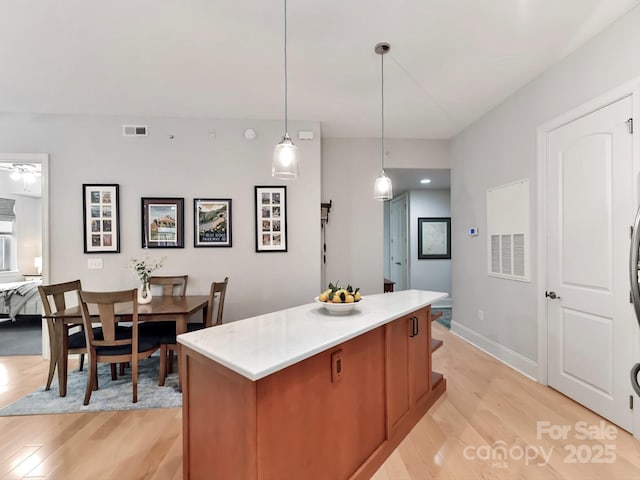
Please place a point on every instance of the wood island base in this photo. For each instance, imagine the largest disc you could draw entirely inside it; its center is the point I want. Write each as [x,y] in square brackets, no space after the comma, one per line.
[335,415]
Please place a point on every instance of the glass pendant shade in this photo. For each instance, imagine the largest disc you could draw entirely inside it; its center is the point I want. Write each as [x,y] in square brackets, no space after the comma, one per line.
[285,162]
[382,189]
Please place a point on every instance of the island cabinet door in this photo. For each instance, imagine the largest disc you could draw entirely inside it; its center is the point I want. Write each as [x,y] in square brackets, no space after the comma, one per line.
[421,356]
[312,424]
[408,366]
[398,335]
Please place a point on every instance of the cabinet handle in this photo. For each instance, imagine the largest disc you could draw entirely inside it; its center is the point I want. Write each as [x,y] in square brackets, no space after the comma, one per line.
[417,326]
[414,327]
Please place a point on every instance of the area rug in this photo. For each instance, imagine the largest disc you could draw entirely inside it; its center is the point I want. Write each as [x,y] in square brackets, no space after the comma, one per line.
[112,395]
[445,319]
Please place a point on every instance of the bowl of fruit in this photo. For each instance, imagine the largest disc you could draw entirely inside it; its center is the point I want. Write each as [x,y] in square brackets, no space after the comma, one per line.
[339,301]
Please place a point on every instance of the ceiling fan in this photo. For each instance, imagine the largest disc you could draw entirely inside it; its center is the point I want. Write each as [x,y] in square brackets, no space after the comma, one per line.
[27,172]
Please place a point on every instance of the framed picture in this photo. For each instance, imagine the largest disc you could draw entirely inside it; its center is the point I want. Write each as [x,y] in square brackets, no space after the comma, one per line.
[100,210]
[162,222]
[271,219]
[434,238]
[212,222]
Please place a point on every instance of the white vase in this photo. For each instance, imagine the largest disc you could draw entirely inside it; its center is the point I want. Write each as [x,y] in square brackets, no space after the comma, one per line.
[144,293]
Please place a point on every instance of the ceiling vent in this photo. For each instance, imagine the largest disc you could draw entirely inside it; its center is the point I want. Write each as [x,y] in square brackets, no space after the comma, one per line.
[134,130]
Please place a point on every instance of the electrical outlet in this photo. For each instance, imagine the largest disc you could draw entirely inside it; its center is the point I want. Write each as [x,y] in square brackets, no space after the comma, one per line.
[94,264]
[336,366]
[480,315]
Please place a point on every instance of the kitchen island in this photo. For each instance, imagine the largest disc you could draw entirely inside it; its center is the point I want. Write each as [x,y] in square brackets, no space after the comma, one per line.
[301,393]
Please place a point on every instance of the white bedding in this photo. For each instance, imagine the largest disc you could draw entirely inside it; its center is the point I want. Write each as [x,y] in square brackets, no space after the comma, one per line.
[20,298]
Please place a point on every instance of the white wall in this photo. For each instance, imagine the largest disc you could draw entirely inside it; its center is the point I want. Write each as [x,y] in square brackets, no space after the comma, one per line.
[194,164]
[434,274]
[501,148]
[355,232]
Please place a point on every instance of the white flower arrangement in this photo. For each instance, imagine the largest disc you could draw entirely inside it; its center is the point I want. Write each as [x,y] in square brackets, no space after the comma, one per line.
[144,267]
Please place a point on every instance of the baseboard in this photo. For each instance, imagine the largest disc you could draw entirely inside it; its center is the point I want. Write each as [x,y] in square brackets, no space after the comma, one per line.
[515,360]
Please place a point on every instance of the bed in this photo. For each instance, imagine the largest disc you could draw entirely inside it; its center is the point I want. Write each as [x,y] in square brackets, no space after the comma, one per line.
[19,298]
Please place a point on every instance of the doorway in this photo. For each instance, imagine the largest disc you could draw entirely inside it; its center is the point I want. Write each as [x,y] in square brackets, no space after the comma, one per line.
[24,188]
[588,160]
[431,198]
[398,248]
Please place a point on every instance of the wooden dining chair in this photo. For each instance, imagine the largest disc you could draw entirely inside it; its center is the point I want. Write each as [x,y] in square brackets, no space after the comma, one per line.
[175,285]
[116,345]
[171,285]
[169,341]
[54,300]
[218,290]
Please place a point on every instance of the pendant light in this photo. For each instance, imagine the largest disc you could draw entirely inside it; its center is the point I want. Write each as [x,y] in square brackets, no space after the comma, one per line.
[382,189]
[285,163]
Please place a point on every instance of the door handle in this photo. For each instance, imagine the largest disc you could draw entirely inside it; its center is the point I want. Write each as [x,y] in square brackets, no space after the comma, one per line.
[551,295]
[633,265]
[634,378]
[398,263]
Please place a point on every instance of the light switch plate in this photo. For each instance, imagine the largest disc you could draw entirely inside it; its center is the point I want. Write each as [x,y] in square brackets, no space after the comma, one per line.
[94,263]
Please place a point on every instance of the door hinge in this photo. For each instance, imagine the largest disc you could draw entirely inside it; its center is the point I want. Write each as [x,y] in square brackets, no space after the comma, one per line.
[630,125]
[631,231]
[630,297]
[630,402]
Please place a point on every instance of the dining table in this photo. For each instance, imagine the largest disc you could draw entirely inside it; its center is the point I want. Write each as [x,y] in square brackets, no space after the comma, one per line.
[161,308]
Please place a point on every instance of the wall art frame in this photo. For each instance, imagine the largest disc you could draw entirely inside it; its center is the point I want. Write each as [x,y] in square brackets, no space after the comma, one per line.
[434,238]
[101,217]
[271,218]
[162,222]
[212,226]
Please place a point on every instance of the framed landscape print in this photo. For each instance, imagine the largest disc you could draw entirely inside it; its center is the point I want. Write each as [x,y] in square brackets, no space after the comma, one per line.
[434,238]
[101,218]
[212,222]
[271,219]
[162,222]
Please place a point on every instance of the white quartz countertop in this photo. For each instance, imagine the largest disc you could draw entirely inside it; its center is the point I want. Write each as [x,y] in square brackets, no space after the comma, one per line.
[259,346]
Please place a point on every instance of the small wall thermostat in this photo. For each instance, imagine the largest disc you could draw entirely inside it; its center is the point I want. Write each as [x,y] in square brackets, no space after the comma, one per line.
[473,231]
[250,134]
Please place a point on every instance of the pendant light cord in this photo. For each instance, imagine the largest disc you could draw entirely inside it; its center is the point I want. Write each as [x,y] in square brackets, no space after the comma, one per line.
[286,119]
[382,88]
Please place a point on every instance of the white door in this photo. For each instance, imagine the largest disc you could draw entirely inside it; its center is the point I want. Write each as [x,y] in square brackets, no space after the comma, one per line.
[589,211]
[398,247]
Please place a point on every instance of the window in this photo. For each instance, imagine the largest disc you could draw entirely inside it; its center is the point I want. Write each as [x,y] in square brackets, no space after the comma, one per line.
[7,235]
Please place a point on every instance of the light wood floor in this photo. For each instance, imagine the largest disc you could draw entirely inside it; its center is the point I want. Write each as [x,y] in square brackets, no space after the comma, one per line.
[486,403]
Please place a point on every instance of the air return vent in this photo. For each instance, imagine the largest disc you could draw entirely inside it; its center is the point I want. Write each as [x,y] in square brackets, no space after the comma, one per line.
[508,231]
[134,130]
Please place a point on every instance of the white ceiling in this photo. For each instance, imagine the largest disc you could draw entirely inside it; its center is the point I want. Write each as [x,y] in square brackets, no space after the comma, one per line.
[405,179]
[450,62]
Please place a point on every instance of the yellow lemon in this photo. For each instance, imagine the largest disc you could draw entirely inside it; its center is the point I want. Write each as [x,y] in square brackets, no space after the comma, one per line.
[357,297]
[349,299]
